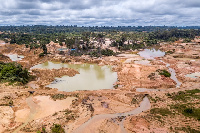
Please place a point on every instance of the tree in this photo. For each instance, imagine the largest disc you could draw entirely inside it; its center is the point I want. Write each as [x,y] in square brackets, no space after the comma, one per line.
[44,48]
[43,45]
[13,72]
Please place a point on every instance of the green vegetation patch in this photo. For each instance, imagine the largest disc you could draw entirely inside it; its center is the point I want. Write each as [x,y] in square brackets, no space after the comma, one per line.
[185,95]
[98,53]
[164,72]
[187,129]
[107,52]
[13,72]
[187,110]
[192,112]
[58,96]
[70,115]
[43,130]
[161,111]
[155,99]
[56,128]
[169,52]
[6,101]
[134,101]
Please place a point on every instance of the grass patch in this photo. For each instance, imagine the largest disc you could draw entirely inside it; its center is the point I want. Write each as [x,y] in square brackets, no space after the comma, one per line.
[192,112]
[187,129]
[193,91]
[58,96]
[161,111]
[187,110]
[185,95]
[155,99]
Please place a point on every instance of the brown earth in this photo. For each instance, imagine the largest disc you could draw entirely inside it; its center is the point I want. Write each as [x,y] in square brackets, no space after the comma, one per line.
[89,103]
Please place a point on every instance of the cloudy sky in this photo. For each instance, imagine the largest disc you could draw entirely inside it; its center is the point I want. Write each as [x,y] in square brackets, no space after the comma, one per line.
[100,12]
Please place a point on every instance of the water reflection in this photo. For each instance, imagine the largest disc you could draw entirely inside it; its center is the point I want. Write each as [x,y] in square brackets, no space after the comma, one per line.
[15,57]
[91,77]
[193,75]
[151,53]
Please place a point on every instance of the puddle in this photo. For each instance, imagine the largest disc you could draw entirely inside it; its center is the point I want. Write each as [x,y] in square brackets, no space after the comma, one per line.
[143,62]
[2,42]
[15,57]
[151,53]
[193,75]
[91,77]
[84,128]
[62,49]
[150,90]
[146,90]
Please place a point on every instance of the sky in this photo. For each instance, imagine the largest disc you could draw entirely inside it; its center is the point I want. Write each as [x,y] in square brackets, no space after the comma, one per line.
[100,12]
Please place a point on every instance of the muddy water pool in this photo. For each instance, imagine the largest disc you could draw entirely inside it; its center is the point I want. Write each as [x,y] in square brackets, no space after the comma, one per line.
[193,75]
[91,77]
[15,57]
[151,53]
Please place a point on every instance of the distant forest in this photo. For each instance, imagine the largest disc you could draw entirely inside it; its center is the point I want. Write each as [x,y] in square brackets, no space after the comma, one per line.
[43,29]
[123,38]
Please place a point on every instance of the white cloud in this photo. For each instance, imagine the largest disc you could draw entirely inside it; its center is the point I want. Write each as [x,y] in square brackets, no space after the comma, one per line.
[100,12]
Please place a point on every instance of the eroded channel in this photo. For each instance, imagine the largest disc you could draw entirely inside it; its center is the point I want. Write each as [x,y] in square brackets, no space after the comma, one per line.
[151,54]
[86,127]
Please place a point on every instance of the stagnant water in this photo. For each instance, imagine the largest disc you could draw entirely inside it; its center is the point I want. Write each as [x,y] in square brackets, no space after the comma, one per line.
[15,57]
[151,53]
[173,74]
[144,105]
[193,75]
[91,77]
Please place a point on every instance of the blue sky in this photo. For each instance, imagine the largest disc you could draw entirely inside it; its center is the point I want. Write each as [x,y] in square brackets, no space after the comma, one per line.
[100,12]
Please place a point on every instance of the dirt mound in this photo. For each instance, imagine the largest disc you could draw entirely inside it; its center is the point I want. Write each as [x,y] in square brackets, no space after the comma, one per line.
[4,58]
[46,76]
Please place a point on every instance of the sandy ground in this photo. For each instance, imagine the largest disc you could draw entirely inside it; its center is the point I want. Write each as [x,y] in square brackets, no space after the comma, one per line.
[40,107]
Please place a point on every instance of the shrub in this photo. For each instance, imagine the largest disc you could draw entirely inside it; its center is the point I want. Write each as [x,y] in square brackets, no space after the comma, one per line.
[41,54]
[107,52]
[161,111]
[185,95]
[134,101]
[57,128]
[164,72]
[187,110]
[94,54]
[192,112]
[58,96]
